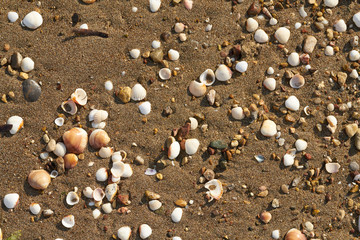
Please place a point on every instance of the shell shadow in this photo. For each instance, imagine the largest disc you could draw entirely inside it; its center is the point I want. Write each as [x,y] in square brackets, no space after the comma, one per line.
[29,190]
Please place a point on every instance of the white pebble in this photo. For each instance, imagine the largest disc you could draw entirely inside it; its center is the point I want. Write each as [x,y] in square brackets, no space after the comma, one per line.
[108,85]
[134,9]
[288,160]
[282,34]
[331,3]
[270,84]
[135,53]
[241,66]
[294,59]
[340,25]
[261,36]
[32,20]
[27,64]
[330,107]
[300,145]
[354,74]
[268,128]
[273,21]
[275,234]
[96,213]
[297,25]
[176,215]
[173,55]
[270,71]
[179,27]
[154,5]
[155,44]
[251,25]
[13,16]
[308,67]
[292,103]
[354,55]
[84,26]
[208,28]
[329,51]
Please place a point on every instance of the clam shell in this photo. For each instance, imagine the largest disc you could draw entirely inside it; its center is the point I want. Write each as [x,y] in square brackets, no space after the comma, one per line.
[223,73]
[282,34]
[237,113]
[288,160]
[173,55]
[145,108]
[60,149]
[107,208]
[92,114]
[297,81]
[241,66]
[134,53]
[176,215]
[154,5]
[68,221]
[268,128]
[294,234]
[215,189]
[59,121]
[96,213]
[35,208]
[118,156]
[270,84]
[154,205]
[207,77]
[72,198]
[70,160]
[11,200]
[32,20]
[88,192]
[300,145]
[165,73]
[128,172]
[292,103]
[106,152]
[138,92]
[16,122]
[115,179]
[265,217]
[110,191]
[98,194]
[261,36]
[101,175]
[98,138]
[179,27]
[79,96]
[75,140]
[174,150]
[118,169]
[191,146]
[332,167]
[12,16]
[251,25]
[69,107]
[99,116]
[39,179]
[193,123]
[197,89]
[27,64]
[124,233]
[145,231]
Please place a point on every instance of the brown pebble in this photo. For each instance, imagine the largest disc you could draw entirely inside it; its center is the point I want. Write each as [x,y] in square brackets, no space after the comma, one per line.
[180,202]
[6,47]
[285,189]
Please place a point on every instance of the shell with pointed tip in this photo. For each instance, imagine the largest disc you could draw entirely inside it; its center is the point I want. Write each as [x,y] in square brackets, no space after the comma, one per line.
[98,139]
[145,108]
[297,81]
[154,5]
[124,233]
[197,89]
[117,169]
[237,113]
[88,192]
[99,116]
[145,231]
[69,107]
[98,194]
[16,122]
[11,200]
[138,92]
[128,172]
[191,146]
[268,128]
[39,179]
[106,152]
[35,208]
[101,175]
[79,96]
[174,150]
[223,73]
[70,160]
[75,140]
[176,215]
[165,73]
[154,205]
[294,234]
[60,149]
[110,191]
[68,221]
[270,84]
[72,198]
[207,77]
[215,189]
[32,20]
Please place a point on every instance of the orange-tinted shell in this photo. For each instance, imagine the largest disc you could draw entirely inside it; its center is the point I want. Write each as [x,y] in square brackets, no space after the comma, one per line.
[294,234]
[98,139]
[70,160]
[75,140]
[39,179]
[265,217]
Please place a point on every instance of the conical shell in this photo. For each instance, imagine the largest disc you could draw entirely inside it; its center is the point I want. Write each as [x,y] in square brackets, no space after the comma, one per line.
[138,92]
[16,122]
[145,231]
[124,233]
[79,96]
[215,189]
[70,160]
[39,179]
[32,20]
[69,107]
[197,89]
[98,138]
[110,191]
[101,175]
[75,140]
[68,221]
[223,73]
[191,146]
[72,198]
[11,200]
[207,77]
[297,81]
[174,150]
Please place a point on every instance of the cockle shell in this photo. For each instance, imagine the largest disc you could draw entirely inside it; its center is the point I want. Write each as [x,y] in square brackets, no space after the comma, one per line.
[237,113]
[98,194]
[223,73]
[165,73]
[193,123]
[68,221]
[191,146]
[118,156]
[99,138]
[98,116]
[79,96]
[32,20]
[270,84]
[11,200]
[27,64]
[39,179]
[268,128]
[35,208]
[145,108]
[70,160]
[215,189]
[138,92]
[72,198]
[75,140]
[297,81]
[69,107]
[16,122]
[101,175]
[197,89]
[106,152]
[265,217]
[154,205]
[110,191]
[124,233]
[176,215]
[251,25]
[145,231]
[59,121]
[60,149]
[174,150]
[241,66]
[207,77]
[294,234]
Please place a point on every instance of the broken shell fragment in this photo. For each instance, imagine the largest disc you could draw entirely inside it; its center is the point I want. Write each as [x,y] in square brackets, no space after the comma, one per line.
[16,122]
[110,191]
[174,150]
[237,113]
[193,123]
[191,146]
[207,77]
[106,152]
[154,205]
[98,194]
[69,107]
[145,108]
[138,92]
[79,96]
[223,73]
[96,213]
[101,175]
[72,198]
[11,200]
[268,128]
[145,231]
[39,179]
[59,121]
[176,215]
[124,233]
[294,234]
[165,73]
[118,156]
[75,140]
[215,189]
[99,138]
[332,123]
[35,208]
[68,221]
[70,160]
[197,89]
[127,171]
[332,167]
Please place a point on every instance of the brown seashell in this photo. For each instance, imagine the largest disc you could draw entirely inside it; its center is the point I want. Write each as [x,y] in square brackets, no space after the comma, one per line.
[70,160]
[294,234]
[265,217]
[98,139]
[75,140]
[39,179]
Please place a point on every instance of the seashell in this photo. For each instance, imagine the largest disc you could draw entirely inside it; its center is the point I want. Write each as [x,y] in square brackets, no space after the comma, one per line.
[84,26]
[215,189]
[288,159]
[176,215]
[268,128]
[331,120]
[275,234]
[92,114]
[106,152]
[44,155]
[332,167]
[79,96]
[98,138]
[354,55]
[154,205]
[294,59]
[124,94]
[174,150]
[173,55]
[354,74]
[16,122]
[340,25]
[39,179]
[35,208]
[191,146]
[150,172]
[124,233]
[165,73]
[265,217]
[270,71]
[261,36]
[145,108]
[134,53]
[72,198]
[68,221]
[69,107]
[96,213]
[294,234]
[241,66]
[155,44]
[110,191]
[282,34]
[117,169]
[101,175]
[179,27]
[297,81]
[107,208]
[59,121]
[300,145]
[99,116]
[98,194]
[237,113]
[188,4]
[251,25]
[207,77]
[356,19]
[223,73]
[118,156]
[27,64]
[88,192]
[32,20]
[108,85]
[259,158]
[138,92]
[270,84]
[115,179]
[70,160]
[54,174]
[145,231]
[292,103]
[154,5]
[331,3]
[100,125]
[197,89]
[193,123]
[128,172]
[176,238]
[273,21]
[75,140]
[11,200]
[12,16]
[329,51]
[88,1]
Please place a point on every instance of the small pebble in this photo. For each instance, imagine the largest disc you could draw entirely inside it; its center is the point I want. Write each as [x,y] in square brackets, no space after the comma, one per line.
[354,166]
[31,90]
[108,85]
[329,51]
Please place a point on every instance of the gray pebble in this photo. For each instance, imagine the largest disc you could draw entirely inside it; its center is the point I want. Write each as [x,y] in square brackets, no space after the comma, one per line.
[16,59]
[31,90]
[354,166]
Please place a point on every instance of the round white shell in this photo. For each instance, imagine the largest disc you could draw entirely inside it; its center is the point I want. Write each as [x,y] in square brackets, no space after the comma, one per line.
[116,157]
[270,84]
[135,53]
[197,89]
[145,108]
[88,192]
[124,233]
[300,145]
[32,20]
[118,169]
[215,189]
[223,73]
[108,85]
[60,149]
[35,208]
[105,152]
[268,128]
[138,92]
[79,96]
[11,200]
[68,221]
[72,198]
[207,77]
[282,34]
[59,121]
[340,25]
[237,113]
[98,194]
[96,213]
[251,25]
[99,116]
[176,215]
[241,66]
[100,125]
[92,114]
[297,81]
[145,231]
[292,103]
[107,208]
[332,167]
[165,73]
[17,123]
[154,205]
[354,55]
[69,104]
[193,123]
[356,19]
[27,64]
[101,175]
[12,16]
[179,27]
[174,150]
[261,36]
[154,5]
[191,146]
[156,44]
[173,55]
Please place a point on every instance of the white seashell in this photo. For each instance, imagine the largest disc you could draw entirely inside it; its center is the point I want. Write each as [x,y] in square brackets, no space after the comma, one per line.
[237,113]
[145,108]
[165,73]
[241,66]
[261,36]
[191,146]
[27,64]
[302,12]
[332,167]
[331,3]
[288,159]
[110,191]
[117,169]
[84,26]
[331,120]
[215,189]
[156,44]
[173,55]
[101,175]
[275,234]
[72,198]
[176,215]
[69,107]
[188,4]
[154,5]
[300,145]
[92,114]
[207,77]
[54,174]
[273,21]
[134,9]
[154,205]
[96,213]
[197,89]
[115,179]
[134,53]
[11,200]
[105,152]
[124,233]
[145,231]
[223,73]
[208,28]
[138,92]
[100,115]
[32,20]
[193,123]
[356,19]
[292,103]
[60,149]
[297,25]
[179,27]
[329,51]
[79,96]
[100,125]
[340,25]
[98,194]
[294,59]
[176,238]
[297,81]
[251,25]
[108,85]
[127,171]
[118,156]
[35,208]
[270,84]
[88,192]
[59,121]
[354,55]
[68,221]
[354,74]
[107,208]
[16,122]
[182,37]
[268,128]
[174,150]
[282,34]
[12,16]
[270,71]
[150,172]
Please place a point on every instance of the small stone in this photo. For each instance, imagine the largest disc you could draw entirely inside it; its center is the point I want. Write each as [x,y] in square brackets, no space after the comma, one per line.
[341,214]
[218,144]
[3,61]
[11,71]
[51,145]
[6,47]
[320,189]
[46,138]
[308,226]
[354,166]
[263,193]
[329,51]
[309,44]
[15,60]
[124,94]
[319,26]
[180,203]
[48,213]
[285,189]
[24,75]
[210,96]
[341,78]
[275,203]
[139,160]
[357,140]
[340,25]
[209,174]
[60,165]
[31,90]
[151,195]
[254,9]
[157,55]
[282,34]
[351,129]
